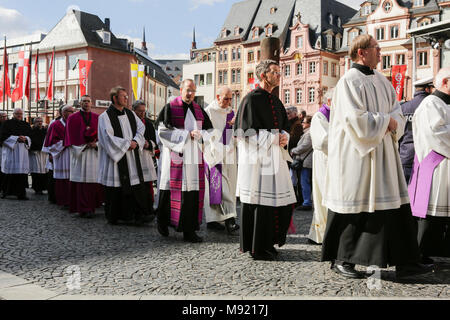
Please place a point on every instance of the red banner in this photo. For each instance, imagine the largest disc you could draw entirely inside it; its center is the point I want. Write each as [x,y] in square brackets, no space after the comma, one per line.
[5,87]
[398,79]
[84,67]
[50,79]
[36,71]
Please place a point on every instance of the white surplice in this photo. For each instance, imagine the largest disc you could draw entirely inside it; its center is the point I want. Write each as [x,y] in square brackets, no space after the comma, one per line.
[217,153]
[179,141]
[319,137]
[263,173]
[61,160]
[38,162]
[112,149]
[148,167]
[431,130]
[83,164]
[15,159]
[364,172]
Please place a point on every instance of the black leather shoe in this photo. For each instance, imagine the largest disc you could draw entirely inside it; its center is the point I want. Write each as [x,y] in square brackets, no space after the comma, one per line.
[426,261]
[231,225]
[192,237]
[163,230]
[313,243]
[304,208]
[149,218]
[24,198]
[411,270]
[264,256]
[346,270]
[3,195]
[215,226]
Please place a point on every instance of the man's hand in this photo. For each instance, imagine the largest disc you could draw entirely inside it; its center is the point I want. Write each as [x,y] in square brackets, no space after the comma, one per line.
[92,145]
[22,139]
[282,140]
[133,145]
[393,124]
[196,135]
[232,121]
[146,145]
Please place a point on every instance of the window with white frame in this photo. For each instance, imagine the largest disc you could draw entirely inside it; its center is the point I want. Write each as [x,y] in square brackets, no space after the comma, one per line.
[299,96]
[418,3]
[233,54]
[394,32]
[225,77]
[239,53]
[299,42]
[338,41]
[367,9]
[423,58]
[424,21]
[233,76]
[238,76]
[209,78]
[386,62]
[333,70]
[312,67]
[287,71]
[329,41]
[287,96]
[325,68]
[220,77]
[311,95]
[225,55]
[299,69]
[379,33]
[250,56]
[400,59]
[353,34]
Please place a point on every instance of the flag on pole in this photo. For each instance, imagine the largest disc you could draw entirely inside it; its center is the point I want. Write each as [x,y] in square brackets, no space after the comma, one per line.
[50,79]
[398,79]
[84,68]
[134,79]
[5,87]
[27,74]
[17,93]
[141,71]
[36,72]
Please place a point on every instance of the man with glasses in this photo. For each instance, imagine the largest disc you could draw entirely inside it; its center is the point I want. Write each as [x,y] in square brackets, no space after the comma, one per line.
[220,157]
[81,138]
[182,184]
[54,145]
[121,141]
[264,185]
[15,137]
[369,219]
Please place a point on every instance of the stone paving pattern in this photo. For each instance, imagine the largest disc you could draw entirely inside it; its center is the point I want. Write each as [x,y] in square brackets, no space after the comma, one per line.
[39,241]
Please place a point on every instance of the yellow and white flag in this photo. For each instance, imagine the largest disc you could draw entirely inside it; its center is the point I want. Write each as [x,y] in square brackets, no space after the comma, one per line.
[137,79]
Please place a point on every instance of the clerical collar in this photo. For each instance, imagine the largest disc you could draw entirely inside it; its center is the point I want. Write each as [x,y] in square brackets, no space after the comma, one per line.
[443,96]
[119,113]
[364,69]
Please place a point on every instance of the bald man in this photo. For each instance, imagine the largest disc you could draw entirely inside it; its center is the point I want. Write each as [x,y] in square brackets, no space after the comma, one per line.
[15,137]
[221,171]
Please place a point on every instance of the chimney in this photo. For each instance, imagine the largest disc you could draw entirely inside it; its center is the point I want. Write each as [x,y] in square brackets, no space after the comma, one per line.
[144,44]
[107,24]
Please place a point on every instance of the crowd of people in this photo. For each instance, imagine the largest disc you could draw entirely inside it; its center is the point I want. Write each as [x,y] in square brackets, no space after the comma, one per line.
[344,162]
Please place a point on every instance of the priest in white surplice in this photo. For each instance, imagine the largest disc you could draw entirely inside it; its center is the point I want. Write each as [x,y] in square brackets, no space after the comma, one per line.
[54,145]
[264,184]
[15,137]
[369,221]
[38,159]
[3,118]
[182,184]
[121,141]
[81,138]
[319,138]
[220,156]
[430,183]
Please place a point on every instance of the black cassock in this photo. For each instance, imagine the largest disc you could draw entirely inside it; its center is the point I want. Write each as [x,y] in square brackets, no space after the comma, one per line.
[189,200]
[261,226]
[39,180]
[150,135]
[14,184]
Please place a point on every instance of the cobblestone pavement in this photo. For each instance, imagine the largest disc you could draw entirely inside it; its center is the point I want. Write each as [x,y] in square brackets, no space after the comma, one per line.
[41,243]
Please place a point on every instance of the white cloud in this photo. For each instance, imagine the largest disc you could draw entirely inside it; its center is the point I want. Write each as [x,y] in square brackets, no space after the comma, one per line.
[198,3]
[13,24]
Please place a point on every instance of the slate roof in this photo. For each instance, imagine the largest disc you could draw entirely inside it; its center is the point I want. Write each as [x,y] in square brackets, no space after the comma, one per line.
[173,68]
[154,69]
[90,24]
[241,15]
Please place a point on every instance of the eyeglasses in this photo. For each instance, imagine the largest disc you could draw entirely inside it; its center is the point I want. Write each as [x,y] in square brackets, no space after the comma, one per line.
[227,99]
[275,73]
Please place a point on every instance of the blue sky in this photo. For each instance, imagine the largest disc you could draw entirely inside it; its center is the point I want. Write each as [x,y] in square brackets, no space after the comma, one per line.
[168,23]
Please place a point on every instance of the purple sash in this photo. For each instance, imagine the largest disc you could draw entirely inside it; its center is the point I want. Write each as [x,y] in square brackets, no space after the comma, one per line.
[326,111]
[420,187]
[176,165]
[215,173]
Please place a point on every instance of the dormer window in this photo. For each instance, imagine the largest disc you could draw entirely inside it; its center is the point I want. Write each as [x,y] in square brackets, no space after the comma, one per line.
[224,33]
[330,41]
[269,31]
[273,10]
[339,22]
[418,3]
[424,21]
[366,9]
[237,31]
[105,36]
[330,18]
[255,33]
[338,43]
